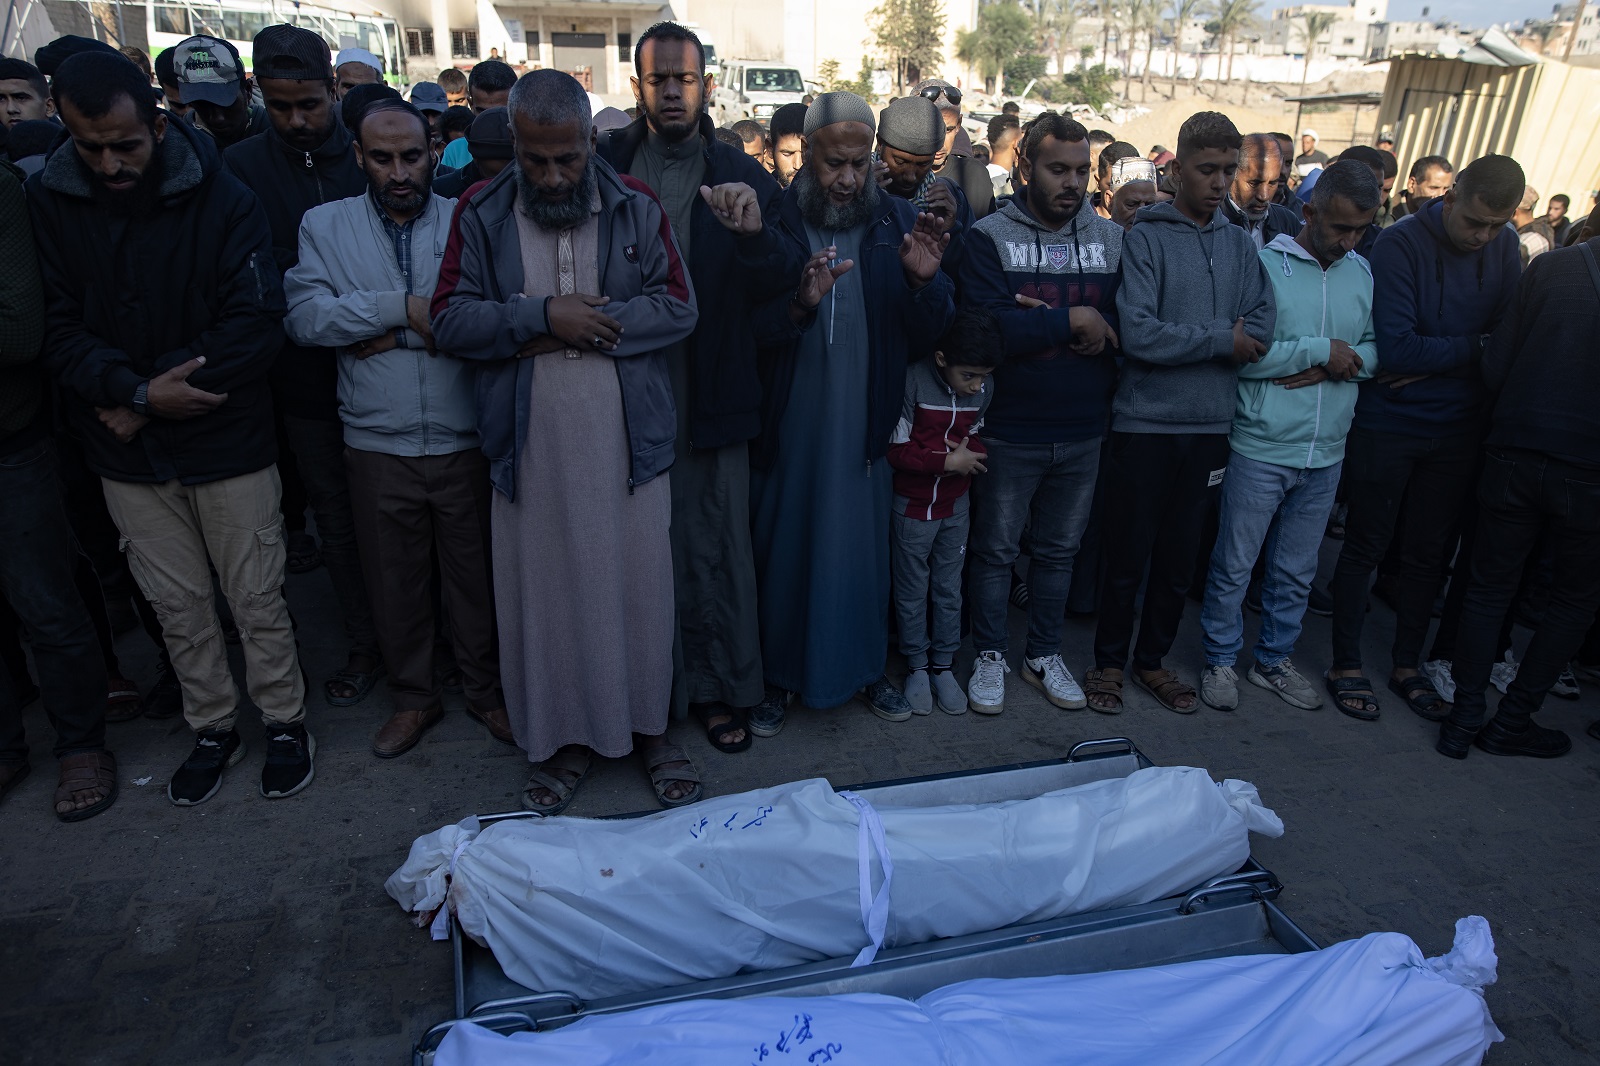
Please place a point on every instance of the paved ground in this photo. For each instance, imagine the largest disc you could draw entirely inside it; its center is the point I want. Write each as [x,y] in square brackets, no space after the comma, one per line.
[248,931]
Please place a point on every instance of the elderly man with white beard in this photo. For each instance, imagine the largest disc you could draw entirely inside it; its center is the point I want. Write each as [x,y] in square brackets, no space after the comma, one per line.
[871,299]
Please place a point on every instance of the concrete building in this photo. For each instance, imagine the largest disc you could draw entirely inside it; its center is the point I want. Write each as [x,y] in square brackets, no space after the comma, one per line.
[1347,38]
[1400,38]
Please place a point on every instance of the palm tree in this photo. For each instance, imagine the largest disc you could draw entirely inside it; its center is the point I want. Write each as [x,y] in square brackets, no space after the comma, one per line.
[1316,24]
[1183,12]
[1233,18]
[1055,20]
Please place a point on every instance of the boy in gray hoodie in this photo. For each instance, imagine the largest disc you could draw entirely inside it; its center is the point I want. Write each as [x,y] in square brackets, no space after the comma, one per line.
[1194,304]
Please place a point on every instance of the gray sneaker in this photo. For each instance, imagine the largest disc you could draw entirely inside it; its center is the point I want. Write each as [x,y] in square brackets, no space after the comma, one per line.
[886,701]
[947,694]
[1219,687]
[1287,682]
[918,692]
[766,718]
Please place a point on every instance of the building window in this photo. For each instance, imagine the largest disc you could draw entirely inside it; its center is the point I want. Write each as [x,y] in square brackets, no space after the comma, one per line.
[532,39]
[419,42]
[625,47]
[464,44]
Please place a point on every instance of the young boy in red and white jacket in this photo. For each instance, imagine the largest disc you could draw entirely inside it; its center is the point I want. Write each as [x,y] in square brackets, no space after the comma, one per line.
[935,452]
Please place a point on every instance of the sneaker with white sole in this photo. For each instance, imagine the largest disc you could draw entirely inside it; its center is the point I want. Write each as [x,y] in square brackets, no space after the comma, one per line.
[1438,672]
[1289,683]
[986,691]
[918,692]
[1501,674]
[1566,685]
[198,779]
[1051,676]
[886,701]
[947,694]
[291,760]
[1219,687]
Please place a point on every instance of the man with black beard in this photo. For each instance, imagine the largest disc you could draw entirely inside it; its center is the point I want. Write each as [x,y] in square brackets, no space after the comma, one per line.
[169,395]
[419,484]
[715,196]
[871,298]
[562,280]
[303,160]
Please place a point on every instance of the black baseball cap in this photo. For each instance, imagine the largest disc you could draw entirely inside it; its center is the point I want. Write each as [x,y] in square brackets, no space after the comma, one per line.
[291,53]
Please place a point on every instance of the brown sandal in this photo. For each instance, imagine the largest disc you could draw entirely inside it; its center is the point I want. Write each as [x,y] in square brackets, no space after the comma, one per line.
[1106,684]
[1167,689]
[92,771]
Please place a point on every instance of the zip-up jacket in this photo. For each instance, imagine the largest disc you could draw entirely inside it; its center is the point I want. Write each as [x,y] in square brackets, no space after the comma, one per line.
[1432,305]
[903,324]
[1305,429]
[289,183]
[732,276]
[1279,220]
[480,313]
[1183,287]
[931,414]
[348,288]
[129,297]
[1045,393]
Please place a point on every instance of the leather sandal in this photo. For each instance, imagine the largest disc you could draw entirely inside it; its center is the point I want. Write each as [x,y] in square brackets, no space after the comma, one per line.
[717,734]
[1421,697]
[656,762]
[87,772]
[1105,683]
[1164,685]
[574,766]
[123,702]
[359,684]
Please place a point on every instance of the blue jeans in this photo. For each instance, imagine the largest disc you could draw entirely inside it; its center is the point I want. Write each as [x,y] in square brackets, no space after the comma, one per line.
[1054,485]
[38,560]
[1287,510]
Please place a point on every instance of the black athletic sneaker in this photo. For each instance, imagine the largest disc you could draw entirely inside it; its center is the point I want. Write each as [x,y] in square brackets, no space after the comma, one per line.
[289,761]
[198,779]
[165,698]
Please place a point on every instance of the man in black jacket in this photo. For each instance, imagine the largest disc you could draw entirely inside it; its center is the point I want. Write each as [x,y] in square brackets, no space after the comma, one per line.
[715,196]
[164,374]
[303,160]
[1250,201]
[1539,491]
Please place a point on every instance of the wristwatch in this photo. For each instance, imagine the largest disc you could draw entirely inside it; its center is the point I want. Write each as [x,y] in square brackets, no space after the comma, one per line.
[141,399]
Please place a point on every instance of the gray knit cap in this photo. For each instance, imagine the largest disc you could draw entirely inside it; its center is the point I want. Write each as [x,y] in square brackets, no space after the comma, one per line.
[832,108]
[912,125]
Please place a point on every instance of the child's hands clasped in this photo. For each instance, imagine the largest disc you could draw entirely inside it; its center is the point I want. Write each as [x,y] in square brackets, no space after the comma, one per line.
[963,460]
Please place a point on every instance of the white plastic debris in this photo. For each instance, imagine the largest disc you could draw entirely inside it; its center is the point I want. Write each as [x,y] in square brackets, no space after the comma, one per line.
[798,873]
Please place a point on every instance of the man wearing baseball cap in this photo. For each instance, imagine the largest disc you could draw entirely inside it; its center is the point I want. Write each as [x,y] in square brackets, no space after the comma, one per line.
[429,97]
[305,159]
[212,82]
[355,66]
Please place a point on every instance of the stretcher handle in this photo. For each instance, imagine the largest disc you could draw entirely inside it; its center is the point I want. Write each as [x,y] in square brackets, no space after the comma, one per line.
[1256,882]
[1126,748]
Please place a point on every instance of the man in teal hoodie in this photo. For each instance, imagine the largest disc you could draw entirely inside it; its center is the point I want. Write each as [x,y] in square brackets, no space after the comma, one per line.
[1289,427]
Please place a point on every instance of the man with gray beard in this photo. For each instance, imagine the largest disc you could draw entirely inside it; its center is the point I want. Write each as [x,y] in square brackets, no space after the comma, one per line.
[871,299]
[562,279]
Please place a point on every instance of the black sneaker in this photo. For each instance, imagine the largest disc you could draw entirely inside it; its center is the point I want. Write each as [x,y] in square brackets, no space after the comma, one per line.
[1535,741]
[165,698]
[1320,603]
[766,718]
[289,764]
[198,779]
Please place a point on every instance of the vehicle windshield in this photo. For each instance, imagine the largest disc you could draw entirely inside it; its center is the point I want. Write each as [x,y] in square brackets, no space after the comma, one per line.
[773,80]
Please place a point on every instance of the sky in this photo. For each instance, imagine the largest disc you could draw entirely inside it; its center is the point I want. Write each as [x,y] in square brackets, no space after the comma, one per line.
[1471,12]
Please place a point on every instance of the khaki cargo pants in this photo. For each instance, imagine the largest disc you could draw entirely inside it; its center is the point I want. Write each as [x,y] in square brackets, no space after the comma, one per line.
[174,534]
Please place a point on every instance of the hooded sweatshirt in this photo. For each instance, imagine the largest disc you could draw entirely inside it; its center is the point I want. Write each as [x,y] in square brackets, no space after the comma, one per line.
[1305,429]
[1183,287]
[1432,306]
[1045,393]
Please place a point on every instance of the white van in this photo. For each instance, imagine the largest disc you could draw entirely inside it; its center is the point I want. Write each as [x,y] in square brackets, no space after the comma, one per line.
[749,88]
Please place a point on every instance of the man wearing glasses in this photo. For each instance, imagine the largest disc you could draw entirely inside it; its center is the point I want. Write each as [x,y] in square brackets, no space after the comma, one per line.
[952,163]
[1250,203]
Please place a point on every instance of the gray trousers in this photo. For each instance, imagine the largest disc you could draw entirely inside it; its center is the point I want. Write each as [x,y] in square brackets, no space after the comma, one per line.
[926,558]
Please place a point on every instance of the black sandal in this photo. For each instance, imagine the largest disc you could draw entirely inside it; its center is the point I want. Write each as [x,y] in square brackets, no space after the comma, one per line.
[1421,697]
[717,734]
[560,775]
[359,684]
[1357,688]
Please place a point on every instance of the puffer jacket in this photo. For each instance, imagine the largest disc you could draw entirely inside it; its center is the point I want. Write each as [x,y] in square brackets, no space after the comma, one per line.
[348,288]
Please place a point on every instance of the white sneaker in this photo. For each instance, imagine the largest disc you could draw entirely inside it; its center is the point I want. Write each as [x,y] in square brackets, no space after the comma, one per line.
[1437,671]
[1051,676]
[1500,675]
[947,694]
[986,691]
[1219,687]
[918,692]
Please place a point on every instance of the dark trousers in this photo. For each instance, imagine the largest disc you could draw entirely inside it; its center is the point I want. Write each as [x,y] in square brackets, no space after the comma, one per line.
[1160,485]
[318,445]
[1523,496]
[405,508]
[38,561]
[1422,481]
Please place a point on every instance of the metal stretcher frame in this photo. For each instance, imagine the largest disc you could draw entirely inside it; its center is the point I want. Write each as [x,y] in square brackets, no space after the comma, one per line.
[1229,915]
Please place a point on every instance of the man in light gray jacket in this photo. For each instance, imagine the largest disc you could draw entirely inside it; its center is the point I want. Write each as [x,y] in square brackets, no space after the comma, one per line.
[418,482]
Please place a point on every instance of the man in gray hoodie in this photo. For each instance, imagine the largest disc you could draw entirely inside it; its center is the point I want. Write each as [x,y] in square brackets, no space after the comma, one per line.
[1194,304]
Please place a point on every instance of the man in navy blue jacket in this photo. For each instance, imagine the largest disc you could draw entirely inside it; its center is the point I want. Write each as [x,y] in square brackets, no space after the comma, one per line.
[1046,264]
[1443,279]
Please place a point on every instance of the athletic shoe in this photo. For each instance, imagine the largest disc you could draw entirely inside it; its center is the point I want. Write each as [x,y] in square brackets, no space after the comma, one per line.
[1051,676]
[1501,674]
[947,694]
[886,701]
[1019,592]
[766,718]
[986,691]
[289,765]
[1219,687]
[198,779]
[919,693]
[1320,603]
[1566,686]
[1439,675]
[1281,677]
